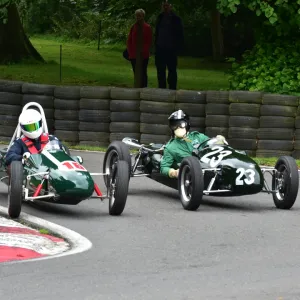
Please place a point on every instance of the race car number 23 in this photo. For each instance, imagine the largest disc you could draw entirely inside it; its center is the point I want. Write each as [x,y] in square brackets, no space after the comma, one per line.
[249,174]
[215,160]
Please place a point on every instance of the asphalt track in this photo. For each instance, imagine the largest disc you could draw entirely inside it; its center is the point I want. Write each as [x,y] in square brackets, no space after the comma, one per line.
[231,248]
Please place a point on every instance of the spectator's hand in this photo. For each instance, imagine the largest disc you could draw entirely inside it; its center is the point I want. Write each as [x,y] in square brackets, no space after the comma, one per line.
[26,155]
[173,173]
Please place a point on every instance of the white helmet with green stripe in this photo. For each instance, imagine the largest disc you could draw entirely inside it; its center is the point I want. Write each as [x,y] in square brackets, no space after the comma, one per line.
[31,123]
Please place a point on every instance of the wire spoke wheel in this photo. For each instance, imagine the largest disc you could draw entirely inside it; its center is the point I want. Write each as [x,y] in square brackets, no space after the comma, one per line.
[118,188]
[116,151]
[190,183]
[285,182]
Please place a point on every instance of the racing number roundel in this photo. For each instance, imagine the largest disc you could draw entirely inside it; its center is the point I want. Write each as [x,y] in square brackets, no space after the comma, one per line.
[73,165]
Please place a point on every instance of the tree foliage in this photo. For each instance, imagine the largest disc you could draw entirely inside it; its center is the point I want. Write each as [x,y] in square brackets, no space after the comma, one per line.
[272,65]
[279,17]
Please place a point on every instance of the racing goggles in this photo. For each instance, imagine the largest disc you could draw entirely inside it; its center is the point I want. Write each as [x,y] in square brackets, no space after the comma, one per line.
[32,127]
[178,124]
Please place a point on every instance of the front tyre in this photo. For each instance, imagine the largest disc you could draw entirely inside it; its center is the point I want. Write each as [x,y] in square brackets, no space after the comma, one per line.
[119,183]
[190,183]
[15,189]
[286,182]
[116,151]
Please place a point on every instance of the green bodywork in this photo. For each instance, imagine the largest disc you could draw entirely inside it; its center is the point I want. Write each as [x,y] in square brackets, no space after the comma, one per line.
[69,186]
[236,169]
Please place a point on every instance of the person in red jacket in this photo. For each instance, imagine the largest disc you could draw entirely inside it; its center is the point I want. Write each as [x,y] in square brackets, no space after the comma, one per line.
[132,44]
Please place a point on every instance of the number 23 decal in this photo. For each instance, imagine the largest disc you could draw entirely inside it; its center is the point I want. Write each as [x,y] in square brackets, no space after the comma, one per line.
[214,161]
[250,174]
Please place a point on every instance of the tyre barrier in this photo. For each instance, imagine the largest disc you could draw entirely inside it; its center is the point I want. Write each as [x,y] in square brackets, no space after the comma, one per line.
[277,112]
[217,113]
[244,113]
[124,114]
[263,124]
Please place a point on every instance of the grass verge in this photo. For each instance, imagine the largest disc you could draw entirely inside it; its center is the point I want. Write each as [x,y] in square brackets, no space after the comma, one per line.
[84,65]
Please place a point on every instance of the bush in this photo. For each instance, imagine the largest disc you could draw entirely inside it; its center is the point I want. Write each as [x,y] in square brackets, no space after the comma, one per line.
[268,67]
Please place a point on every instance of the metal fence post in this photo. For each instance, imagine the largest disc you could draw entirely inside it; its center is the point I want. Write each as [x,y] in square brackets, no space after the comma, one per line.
[60,62]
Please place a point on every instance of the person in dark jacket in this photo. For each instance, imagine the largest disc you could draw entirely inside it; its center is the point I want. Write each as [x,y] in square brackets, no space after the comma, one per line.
[147,41]
[169,41]
[33,139]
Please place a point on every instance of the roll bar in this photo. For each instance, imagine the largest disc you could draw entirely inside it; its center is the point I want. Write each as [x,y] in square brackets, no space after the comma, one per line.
[17,134]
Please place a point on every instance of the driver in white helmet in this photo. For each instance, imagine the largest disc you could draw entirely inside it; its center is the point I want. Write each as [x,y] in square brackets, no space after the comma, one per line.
[182,143]
[33,139]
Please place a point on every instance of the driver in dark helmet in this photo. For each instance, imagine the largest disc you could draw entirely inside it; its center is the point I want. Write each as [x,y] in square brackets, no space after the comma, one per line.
[181,144]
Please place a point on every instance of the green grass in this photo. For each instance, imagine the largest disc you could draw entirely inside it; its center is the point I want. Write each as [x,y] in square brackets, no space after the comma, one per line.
[44,231]
[83,64]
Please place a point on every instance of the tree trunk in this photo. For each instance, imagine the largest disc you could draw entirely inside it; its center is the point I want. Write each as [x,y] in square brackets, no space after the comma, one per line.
[217,36]
[14,44]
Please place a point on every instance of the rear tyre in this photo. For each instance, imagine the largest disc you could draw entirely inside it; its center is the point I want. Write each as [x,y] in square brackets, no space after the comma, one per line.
[119,188]
[190,183]
[116,151]
[15,189]
[286,181]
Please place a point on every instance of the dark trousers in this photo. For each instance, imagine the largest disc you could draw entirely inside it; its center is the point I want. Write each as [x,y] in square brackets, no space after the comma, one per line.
[144,70]
[166,59]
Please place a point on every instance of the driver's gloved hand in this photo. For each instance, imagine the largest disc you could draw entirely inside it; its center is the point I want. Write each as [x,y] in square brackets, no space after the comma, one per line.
[173,173]
[221,140]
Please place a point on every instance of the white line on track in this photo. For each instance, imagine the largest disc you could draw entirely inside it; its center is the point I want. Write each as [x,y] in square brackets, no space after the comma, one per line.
[78,242]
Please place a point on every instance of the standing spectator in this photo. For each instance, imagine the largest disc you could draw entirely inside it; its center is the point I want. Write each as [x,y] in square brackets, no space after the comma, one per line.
[146,44]
[168,42]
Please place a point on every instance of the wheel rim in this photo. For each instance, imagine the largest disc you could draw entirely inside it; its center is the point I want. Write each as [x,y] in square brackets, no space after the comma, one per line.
[9,188]
[112,191]
[186,184]
[112,159]
[281,182]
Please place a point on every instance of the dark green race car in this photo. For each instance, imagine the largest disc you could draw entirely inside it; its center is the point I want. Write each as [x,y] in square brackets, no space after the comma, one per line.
[216,169]
[53,175]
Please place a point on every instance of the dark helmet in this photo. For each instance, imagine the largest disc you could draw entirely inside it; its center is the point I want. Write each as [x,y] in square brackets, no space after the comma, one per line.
[179,119]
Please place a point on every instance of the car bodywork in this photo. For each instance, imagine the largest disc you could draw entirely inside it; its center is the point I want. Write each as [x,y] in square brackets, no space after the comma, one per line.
[53,175]
[224,171]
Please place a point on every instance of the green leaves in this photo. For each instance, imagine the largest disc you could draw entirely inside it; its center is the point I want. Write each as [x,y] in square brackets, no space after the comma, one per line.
[3,10]
[269,67]
[282,15]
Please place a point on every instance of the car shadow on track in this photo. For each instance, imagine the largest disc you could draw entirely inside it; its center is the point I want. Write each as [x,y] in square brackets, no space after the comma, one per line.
[209,203]
[81,211]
